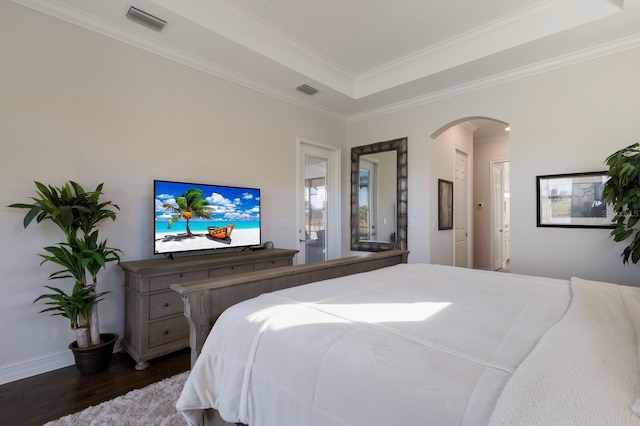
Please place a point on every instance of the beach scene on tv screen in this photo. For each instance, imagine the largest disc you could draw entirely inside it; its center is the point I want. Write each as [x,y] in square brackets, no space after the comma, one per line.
[192,217]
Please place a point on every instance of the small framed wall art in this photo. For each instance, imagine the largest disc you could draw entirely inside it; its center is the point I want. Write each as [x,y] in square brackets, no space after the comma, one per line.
[445,204]
[572,200]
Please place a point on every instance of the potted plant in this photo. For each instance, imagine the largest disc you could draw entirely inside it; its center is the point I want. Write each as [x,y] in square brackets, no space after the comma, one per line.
[622,192]
[81,256]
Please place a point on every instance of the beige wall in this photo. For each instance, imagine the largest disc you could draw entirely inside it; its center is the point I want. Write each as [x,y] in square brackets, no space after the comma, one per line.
[77,105]
[562,121]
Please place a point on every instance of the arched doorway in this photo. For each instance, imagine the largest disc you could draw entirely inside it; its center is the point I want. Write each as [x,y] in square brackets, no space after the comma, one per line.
[482,207]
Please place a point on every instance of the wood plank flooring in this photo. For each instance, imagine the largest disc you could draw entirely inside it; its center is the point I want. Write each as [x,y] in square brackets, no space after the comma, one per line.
[36,400]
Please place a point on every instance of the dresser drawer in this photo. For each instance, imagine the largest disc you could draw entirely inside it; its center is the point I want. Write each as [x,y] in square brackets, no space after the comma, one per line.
[164,281]
[165,304]
[154,320]
[230,270]
[276,263]
[169,330]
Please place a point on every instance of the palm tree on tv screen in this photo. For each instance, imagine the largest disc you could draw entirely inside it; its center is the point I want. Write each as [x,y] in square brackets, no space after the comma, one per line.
[187,206]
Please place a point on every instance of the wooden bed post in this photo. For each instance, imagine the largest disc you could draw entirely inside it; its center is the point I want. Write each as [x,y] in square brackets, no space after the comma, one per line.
[196,309]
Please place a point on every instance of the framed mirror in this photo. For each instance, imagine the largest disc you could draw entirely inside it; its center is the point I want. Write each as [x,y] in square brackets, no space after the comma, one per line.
[379,181]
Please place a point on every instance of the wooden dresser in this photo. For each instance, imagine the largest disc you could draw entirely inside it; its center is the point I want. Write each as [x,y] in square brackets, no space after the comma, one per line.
[154,322]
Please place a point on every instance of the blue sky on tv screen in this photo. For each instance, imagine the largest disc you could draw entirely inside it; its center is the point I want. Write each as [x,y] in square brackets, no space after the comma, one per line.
[230,204]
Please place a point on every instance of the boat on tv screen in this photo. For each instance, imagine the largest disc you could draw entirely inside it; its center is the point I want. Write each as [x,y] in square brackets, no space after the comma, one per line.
[191,217]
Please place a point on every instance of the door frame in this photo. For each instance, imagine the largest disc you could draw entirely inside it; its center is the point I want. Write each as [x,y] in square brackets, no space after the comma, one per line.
[334,209]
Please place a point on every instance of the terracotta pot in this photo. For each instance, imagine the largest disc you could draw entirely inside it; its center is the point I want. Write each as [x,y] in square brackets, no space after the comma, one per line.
[95,358]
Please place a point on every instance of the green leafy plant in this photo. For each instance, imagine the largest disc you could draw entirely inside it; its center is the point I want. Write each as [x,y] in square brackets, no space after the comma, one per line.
[622,192]
[81,256]
[76,307]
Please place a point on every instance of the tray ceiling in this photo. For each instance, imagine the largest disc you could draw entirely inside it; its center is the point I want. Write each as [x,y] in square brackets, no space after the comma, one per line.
[366,57]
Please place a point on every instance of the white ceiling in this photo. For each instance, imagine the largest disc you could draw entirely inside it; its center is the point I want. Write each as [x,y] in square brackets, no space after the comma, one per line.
[366,57]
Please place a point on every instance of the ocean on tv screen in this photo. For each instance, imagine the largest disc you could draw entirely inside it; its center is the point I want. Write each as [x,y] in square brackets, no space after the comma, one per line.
[198,217]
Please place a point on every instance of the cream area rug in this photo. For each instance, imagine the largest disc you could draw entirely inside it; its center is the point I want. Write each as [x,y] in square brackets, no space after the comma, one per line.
[152,405]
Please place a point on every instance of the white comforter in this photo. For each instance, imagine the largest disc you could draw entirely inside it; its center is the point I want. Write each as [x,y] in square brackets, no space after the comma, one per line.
[412,344]
[585,369]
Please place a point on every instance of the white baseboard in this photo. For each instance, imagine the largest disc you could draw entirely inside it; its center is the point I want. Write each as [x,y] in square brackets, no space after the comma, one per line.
[37,366]
[33,367]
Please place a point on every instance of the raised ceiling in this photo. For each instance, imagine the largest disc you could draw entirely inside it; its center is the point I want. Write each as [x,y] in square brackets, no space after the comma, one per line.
[366,57]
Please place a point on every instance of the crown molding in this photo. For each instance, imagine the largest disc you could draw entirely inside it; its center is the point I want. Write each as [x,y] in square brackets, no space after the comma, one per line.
[520,27]
[235,24]
[70,15]
[584,55]
[507,32]
[75,17]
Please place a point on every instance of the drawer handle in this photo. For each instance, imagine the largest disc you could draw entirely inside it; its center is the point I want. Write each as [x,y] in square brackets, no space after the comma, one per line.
[166,332]
[166,304]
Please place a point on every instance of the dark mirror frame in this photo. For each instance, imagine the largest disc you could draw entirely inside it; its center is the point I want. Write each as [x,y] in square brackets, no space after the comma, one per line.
[400,146]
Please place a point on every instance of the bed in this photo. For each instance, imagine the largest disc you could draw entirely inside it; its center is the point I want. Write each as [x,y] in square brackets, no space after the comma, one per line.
[410,344]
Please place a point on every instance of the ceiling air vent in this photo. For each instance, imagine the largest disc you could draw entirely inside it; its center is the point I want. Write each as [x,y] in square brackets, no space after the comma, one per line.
[307,90]
[143,18]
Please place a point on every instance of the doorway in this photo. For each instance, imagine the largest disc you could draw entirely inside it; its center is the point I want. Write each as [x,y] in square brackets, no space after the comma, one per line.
[501,216]
[318,203]
[485,141]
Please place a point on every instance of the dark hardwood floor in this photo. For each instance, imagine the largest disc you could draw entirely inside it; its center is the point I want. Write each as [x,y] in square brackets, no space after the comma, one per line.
[49,396]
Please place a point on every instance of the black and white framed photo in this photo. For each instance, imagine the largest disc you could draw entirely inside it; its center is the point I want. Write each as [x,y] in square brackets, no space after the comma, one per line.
[573,200]
[445,204]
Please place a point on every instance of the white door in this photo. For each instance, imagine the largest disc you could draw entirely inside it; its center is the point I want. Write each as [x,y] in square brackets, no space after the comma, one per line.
[460,210]
[498,214]
[319,203]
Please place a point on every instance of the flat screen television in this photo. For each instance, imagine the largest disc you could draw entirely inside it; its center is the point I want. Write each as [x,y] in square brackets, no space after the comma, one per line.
[194,216]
